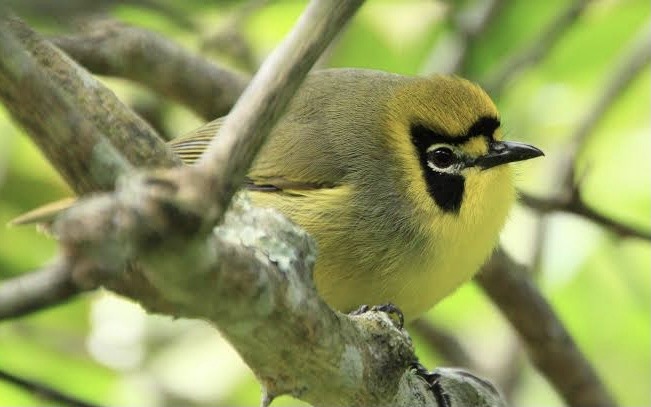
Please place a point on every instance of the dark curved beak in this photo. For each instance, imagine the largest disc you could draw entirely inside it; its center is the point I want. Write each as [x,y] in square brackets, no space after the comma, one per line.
[503,152]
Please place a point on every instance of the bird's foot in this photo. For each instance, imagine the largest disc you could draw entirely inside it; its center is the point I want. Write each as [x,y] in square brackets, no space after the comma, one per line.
[432,379]
[394,312]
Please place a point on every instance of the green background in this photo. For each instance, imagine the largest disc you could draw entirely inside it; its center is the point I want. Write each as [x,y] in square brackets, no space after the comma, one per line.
[105,349]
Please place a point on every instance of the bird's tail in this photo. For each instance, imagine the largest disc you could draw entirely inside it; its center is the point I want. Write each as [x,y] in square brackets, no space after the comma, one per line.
[43,214]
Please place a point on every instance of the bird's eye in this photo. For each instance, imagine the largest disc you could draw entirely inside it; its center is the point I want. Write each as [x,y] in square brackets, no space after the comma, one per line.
[442,157]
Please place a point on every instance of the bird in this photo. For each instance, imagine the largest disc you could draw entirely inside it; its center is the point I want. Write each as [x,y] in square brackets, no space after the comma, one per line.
[404,182]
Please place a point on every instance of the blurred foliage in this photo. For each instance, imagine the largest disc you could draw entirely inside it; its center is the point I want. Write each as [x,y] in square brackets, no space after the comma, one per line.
[106,350]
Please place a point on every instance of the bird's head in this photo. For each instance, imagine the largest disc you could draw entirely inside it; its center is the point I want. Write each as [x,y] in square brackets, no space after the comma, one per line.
[446,132]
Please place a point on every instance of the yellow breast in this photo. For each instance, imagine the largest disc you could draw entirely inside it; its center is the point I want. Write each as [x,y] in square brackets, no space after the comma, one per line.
[360,262]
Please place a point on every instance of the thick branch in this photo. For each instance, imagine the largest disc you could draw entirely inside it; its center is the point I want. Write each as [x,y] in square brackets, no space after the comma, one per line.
[53,120]
[264,296]
[65,125]
[548,344]
[114,49]
[46,79]
[252,278]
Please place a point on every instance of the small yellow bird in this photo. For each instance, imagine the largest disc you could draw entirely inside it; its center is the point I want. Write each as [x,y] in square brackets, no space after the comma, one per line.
[401,180]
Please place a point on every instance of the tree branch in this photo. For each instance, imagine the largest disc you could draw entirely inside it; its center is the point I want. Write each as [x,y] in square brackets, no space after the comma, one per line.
[72,94]
[245,129]
[549,345]
[40,105]
[37,290]
[230,39]
[537,50]
[569,199]
[114,49]
[576,206]
[445,344]
[635,59]
[62,122]
[68,12]
[43,391]
[450,53]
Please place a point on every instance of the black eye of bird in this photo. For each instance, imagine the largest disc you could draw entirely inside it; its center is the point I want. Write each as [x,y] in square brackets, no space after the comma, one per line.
[442,157]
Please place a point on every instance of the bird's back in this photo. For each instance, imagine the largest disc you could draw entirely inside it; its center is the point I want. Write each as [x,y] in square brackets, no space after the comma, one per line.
[331,128]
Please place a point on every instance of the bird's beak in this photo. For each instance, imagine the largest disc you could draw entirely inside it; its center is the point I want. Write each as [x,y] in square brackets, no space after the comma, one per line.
[503,152]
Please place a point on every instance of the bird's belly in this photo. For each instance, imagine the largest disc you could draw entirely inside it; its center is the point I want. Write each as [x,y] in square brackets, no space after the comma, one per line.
[414,284]
[360,263]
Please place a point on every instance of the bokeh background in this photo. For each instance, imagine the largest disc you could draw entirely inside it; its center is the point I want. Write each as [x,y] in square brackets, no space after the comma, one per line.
[105,349]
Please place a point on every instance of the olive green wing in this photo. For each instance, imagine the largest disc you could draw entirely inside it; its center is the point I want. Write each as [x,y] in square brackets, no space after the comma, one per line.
[298,155]
[191,146]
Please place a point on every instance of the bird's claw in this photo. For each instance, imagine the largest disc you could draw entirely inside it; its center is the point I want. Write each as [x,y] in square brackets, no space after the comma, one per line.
[432,380]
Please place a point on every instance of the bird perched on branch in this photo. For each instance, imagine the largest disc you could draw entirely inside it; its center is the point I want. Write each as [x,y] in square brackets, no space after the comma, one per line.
[404,182]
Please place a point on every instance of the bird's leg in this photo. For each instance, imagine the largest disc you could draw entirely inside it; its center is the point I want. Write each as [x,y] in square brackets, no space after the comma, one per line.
[388,308]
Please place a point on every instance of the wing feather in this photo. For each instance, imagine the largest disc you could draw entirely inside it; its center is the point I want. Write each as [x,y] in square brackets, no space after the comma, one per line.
[191,146]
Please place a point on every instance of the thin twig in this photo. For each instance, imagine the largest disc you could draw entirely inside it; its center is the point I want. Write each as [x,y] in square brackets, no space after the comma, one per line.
[569,199]
[578,207]
[540,235]
[510,372]
[43,391]
[451,52]
[549,345]
[37,290]
[452,351]
[230,39]
[445,344]
[635,59]
[537,50]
